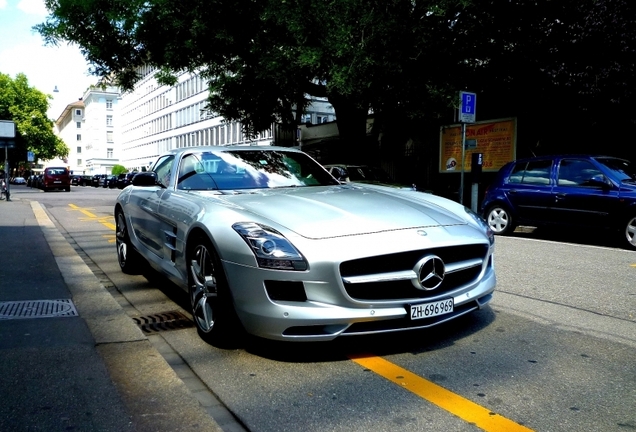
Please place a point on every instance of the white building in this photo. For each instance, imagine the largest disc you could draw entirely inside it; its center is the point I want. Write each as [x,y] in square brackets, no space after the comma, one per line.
[154,118]
[88,128]
[101,132]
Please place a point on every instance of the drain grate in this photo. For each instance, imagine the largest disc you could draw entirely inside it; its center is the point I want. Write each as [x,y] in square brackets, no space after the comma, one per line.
[163,321]
[37,309]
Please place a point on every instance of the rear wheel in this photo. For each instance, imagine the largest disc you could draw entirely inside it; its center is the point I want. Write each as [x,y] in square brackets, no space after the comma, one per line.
[210,297]
[629,233]
[129,259]
[500,220]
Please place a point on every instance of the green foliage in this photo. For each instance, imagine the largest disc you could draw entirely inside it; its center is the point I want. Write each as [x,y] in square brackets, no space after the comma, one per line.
[118,169]
[403,60]
[27,107]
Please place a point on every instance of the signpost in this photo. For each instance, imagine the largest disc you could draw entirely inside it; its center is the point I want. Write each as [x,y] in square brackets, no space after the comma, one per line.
[467,112]
[7,140]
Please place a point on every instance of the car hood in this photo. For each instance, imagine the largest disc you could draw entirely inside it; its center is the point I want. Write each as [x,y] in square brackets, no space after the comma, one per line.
[323,212]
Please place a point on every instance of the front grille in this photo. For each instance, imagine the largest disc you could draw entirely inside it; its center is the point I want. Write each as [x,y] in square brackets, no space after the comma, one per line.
[393,290]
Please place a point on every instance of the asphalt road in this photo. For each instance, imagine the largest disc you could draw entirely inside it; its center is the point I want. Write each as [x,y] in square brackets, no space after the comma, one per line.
[554,351]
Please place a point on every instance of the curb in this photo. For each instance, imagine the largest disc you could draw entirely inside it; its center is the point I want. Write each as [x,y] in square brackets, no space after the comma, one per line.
[155,397]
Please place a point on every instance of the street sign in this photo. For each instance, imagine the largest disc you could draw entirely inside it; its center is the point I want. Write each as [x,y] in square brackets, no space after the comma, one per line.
[7,129]
[7,143]
[467,107]
[30,156]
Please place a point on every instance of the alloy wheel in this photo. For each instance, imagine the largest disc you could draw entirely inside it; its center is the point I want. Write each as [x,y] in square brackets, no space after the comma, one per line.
[203,288]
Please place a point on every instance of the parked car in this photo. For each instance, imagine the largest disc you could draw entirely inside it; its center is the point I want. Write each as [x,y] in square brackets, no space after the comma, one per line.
[18,181]
[75,180]
[37,181]
[110,182]
[124,180]
[98,180]
[363,174]
[56,178]
[570,190]
[265,240]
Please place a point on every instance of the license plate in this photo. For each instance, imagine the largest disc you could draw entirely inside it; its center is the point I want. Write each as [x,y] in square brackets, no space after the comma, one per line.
[428,310]
[57,181]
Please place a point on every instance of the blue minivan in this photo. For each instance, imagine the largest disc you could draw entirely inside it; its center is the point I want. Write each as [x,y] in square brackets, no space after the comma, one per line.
[567,190]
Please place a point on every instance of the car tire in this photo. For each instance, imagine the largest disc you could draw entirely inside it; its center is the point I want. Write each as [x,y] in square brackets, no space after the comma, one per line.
[210,297]
[628,233]
[500,220]
[130,261]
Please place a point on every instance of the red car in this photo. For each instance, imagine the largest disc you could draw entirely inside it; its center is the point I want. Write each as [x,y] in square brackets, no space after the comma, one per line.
[56,178]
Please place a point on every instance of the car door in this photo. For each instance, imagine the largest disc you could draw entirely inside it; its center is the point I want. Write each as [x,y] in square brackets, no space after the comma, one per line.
[529,190]
[583,195]
[144,208]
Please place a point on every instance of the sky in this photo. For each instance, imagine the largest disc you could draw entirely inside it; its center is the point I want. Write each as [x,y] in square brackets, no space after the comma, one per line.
[22,50]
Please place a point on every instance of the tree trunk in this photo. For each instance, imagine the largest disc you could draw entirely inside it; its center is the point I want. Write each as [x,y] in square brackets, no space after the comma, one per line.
[354,145]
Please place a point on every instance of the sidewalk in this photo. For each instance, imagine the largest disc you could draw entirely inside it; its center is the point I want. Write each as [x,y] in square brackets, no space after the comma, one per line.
[70,358]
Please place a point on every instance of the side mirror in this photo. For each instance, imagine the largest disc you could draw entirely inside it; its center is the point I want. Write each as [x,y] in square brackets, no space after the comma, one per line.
[599,180]
[147,178]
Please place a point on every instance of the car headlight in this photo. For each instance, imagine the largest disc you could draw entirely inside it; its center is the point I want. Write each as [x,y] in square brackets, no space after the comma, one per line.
[271,248]
[482,224]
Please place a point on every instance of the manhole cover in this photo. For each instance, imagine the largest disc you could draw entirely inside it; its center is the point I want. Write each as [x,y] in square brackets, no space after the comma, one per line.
[37,309]
[163,321]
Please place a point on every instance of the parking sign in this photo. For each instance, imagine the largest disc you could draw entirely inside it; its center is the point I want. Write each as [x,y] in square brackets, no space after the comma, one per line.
[467,107]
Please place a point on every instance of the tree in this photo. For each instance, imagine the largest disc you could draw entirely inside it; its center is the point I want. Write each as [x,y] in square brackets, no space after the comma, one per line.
[118,169]
[27,107]
[402,60]
[261,58]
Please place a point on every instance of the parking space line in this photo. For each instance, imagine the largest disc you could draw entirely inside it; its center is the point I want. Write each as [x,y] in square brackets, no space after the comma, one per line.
[461,407]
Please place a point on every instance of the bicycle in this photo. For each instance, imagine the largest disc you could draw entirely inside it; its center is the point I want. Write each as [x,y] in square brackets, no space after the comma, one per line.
[4,194]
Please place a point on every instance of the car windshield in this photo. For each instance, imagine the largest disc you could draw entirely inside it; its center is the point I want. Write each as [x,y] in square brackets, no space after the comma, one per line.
[250,169]
[621,168]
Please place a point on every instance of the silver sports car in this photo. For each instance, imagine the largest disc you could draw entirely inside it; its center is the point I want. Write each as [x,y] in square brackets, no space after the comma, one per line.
[267,242]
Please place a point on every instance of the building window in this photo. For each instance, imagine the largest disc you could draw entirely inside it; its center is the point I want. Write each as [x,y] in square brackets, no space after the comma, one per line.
[79,137]
[109,136]
[78,112]
[109,120]
[79,149]
[79,162]
[109,104]
[79,125]
[109,153]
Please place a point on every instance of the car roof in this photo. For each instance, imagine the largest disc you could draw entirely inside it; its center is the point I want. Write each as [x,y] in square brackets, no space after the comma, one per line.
[573,155]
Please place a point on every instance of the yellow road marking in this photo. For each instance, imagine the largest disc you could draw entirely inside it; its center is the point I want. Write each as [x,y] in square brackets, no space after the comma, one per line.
[437,395]
[632,265]
[104,220]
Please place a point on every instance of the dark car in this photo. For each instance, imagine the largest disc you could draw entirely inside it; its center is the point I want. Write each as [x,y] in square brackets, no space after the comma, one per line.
[98,180]
[124,180]
[75,180]
[56,178]
[569,190]
[110,182]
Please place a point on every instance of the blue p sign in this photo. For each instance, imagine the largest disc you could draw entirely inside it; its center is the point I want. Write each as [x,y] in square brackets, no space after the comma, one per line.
[467,107]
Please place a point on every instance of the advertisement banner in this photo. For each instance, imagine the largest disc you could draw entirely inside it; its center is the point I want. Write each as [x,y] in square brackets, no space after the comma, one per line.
[496,139]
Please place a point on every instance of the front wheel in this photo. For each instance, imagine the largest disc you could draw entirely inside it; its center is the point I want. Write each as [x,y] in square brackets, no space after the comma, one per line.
[500,220]
[210,297]
[129,259]
[629,233]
